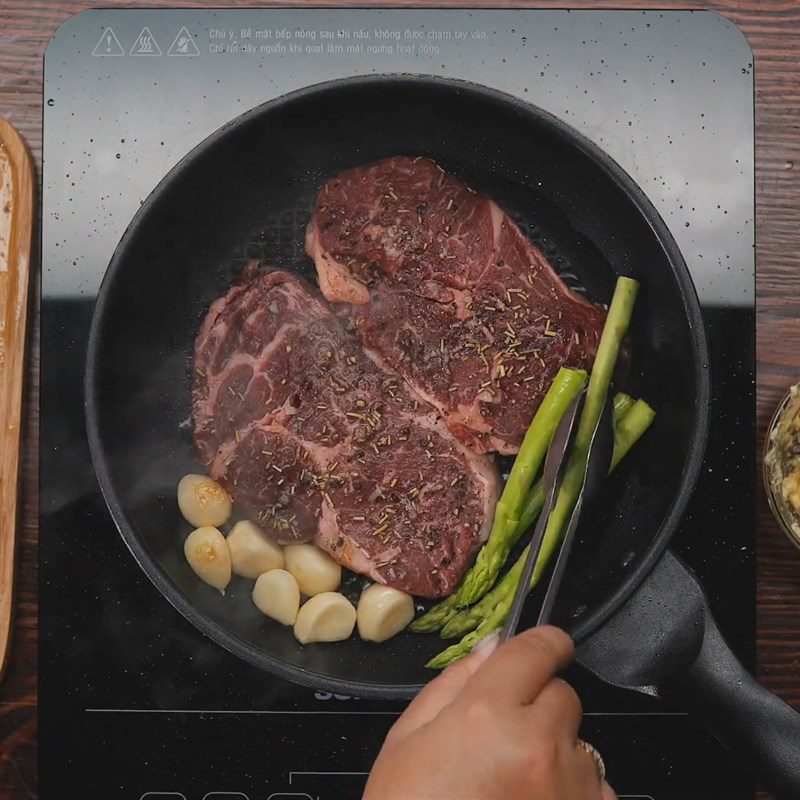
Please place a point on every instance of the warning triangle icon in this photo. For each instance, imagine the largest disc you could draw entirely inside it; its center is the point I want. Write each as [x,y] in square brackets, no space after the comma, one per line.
[145,44]
[183,45]
[108,45]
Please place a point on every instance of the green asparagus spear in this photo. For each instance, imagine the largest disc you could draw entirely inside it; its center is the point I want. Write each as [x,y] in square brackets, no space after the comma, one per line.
[622,404]
[614,332]
[437,617]
[565,387]
[630,428]
[492,622]
[530,511]
[470,618]
[490,613]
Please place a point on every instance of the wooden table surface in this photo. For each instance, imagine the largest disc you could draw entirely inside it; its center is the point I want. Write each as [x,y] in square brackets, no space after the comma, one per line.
[773,29]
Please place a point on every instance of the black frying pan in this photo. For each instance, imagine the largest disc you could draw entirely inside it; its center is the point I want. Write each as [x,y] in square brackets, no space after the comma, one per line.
[246,192]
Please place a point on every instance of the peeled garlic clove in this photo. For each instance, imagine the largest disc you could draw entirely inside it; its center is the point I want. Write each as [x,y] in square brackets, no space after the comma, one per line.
[203,501]
[383,612]
[326,617]
[252,551]
[315,571]
[208,555]
[277,595]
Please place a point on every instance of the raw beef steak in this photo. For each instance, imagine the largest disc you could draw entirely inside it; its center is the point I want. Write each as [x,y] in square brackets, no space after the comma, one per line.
[444,288]
[314,441]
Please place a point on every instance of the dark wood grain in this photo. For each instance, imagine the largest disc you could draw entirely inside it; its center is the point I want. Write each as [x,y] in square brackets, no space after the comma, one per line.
[773,29]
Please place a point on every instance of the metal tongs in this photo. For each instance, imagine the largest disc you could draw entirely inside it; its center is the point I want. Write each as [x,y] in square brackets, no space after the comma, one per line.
[598,462]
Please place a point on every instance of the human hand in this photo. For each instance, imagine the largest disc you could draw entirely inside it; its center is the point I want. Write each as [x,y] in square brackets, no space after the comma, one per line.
[495,726]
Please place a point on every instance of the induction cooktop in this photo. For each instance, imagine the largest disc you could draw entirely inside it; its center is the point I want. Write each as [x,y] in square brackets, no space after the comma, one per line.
[134,702]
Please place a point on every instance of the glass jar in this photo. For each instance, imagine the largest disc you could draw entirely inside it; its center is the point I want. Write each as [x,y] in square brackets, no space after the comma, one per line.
[782,464]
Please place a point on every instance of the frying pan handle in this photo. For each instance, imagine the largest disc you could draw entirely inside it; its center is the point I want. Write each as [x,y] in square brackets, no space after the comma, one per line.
[747,718]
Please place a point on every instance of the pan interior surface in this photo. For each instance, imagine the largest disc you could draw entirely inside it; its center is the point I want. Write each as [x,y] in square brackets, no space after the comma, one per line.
[247,193]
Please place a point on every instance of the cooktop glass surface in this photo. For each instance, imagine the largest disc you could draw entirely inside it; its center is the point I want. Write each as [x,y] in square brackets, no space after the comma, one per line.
[135,702]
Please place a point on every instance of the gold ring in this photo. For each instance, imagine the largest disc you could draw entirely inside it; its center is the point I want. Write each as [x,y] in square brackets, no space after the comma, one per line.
[596,757]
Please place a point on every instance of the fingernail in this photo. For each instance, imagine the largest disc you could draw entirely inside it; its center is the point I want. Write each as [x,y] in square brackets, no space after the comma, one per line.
[486,646]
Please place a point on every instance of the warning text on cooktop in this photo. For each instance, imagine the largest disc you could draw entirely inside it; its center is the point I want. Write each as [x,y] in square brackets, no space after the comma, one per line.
[366,41]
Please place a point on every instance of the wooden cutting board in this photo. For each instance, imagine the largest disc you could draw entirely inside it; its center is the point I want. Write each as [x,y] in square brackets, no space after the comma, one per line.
[16,217]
